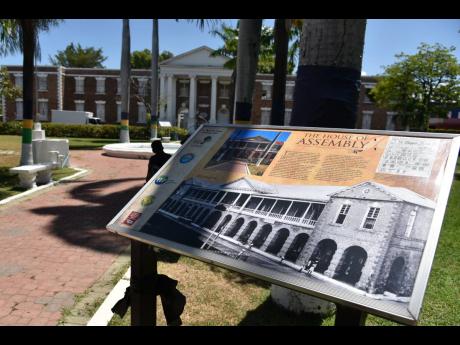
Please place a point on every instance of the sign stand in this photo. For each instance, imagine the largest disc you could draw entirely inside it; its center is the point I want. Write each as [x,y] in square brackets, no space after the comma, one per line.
[346,316]
[143,280]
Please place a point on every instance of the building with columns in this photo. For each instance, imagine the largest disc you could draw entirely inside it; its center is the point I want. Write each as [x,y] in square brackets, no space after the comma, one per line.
[194,88]
[368,236]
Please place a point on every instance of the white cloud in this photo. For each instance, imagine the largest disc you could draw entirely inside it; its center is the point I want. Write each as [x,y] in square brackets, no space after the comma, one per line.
[363,73]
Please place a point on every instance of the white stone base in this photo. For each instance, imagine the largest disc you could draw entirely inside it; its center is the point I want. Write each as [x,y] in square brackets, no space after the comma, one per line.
[298,302]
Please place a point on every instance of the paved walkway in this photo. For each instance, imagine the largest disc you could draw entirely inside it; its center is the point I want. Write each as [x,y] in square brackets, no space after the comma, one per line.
[54,244]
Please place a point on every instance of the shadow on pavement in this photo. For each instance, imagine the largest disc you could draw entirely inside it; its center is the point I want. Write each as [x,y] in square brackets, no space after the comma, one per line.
[84,225]
[270,314]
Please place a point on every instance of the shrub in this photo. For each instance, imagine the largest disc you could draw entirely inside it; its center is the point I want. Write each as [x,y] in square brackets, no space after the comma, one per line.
[91,131]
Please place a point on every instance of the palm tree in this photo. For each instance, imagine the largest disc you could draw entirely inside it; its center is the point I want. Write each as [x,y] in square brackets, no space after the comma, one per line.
[125,76]
[154,84]
[285,56]
[327,87]
[22,35]
[327,84]
[282,28]
[246,67]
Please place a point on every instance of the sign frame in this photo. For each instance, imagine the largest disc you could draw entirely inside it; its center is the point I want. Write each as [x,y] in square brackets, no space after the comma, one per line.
[421,280]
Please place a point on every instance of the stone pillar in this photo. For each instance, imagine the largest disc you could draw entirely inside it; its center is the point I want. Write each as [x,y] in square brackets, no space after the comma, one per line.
[213,99]
[192,104]
[170,113]
[162,96]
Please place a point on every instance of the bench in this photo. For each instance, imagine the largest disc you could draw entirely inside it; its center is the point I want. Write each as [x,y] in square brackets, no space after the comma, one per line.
[30,174]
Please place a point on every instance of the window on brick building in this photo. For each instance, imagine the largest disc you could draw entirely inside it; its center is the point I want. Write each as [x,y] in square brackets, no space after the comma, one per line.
[100,85]
[80,105]
[367,119]
[265,116]
[371,217]
[19,108]
[289,92]
[391,121]
[43,109]
[100,110]
[287,116]
[42,82]
[266,91]
[18,81]
[79,85]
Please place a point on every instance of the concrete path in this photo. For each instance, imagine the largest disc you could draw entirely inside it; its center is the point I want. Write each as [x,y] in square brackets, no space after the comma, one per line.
[54,244]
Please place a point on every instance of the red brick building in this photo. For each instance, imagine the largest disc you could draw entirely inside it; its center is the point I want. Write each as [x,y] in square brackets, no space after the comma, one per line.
[194,88]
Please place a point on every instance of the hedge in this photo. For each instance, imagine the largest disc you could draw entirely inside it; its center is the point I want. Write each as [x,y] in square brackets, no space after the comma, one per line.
[91,131]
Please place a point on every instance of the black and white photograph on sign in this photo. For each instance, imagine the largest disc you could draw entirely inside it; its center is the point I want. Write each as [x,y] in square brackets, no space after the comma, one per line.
[302,231]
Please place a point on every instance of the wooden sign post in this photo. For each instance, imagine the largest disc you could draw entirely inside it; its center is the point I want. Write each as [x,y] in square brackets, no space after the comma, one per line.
[143,278]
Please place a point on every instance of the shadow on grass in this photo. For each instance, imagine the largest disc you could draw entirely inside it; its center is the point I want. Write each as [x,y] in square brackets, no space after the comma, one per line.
[270,314]
[166,256]
[239,278]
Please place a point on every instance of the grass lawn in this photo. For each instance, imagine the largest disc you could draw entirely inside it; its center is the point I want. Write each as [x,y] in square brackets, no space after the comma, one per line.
[217,296]
[10,155]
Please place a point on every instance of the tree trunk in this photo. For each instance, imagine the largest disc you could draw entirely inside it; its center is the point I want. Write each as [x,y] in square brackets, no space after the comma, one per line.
[154,84]
[282,28]
[28,42]
[328,78]
[326,95]
[246,67]
[125,81]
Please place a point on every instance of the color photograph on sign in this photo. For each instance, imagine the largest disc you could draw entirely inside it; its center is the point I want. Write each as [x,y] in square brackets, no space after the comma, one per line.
[345,215]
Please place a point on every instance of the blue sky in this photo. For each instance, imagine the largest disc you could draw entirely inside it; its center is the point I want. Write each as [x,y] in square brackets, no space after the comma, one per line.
[384,38]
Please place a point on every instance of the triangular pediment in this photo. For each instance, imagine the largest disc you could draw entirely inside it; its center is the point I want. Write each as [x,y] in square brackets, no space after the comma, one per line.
[377,191]
[367,190]
[199,57]
[244,184]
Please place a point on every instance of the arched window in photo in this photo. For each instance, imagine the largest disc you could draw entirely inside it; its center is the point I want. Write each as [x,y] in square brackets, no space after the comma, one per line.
[262,235]
[278,241]
[296,247]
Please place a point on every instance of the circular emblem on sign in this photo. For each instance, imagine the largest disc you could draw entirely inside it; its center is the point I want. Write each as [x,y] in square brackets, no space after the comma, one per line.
[187,158]
[161,179]
[147,200]
[367,190]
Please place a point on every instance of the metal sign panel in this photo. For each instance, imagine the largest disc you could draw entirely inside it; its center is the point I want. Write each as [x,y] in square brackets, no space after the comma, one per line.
[350,216]
[165,124]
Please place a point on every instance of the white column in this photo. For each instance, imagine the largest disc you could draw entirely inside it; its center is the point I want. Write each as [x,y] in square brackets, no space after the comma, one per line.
[169,97]
[213,99]
[162,96]
[192,104]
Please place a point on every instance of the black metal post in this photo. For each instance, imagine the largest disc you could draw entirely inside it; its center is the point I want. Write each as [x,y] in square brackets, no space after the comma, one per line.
[143,280]
[347,316]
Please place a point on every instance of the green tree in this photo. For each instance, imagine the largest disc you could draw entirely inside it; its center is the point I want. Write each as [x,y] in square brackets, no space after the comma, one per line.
[165,55]
[21,35]
[142,59]
[266,63]
[419,86]
[7,88]
[77,56]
